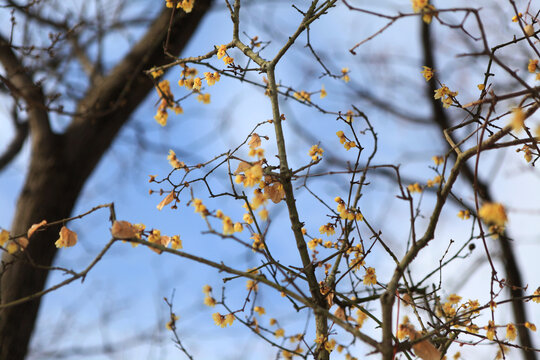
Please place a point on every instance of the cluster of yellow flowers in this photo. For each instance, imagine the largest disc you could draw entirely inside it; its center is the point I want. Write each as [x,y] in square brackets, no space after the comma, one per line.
[208,298]
[229,227]
[125,230]
[14,245]
[427,73]
[223,320]
[302,96]
[414,188]
[425,8]
[186,5]
[222,53]
[347,143]
[370,278]
[345,74]
[445,95]
[327,229]
[533,68]
[166,102]
[346,213]
[175,163]
[315,152]
[464,214]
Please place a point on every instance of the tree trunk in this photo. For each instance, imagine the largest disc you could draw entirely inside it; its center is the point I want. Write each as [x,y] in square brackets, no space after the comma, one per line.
[60,164]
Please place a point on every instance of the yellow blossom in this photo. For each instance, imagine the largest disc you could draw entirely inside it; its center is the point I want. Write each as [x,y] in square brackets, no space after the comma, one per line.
[173,160]
[330,345]
[315,152]
[263,214]
[209,301]
[207,289]
[4,237]
[279,333]
[516,18]
[200,207]
[349,144]
[345,74]
[511,332]
[536,295]
[272,321]
[464,214]
[221,51]
[327,229]
[427,73]
[323,92]
[259,310]
[156,73]
[370,278]
[418,5]
[533,65]
[438,160]
[259,199]
[171,323]
[361,316]
[258,244]
[252,285]
[518,119]
[530,326]
[493,213]
[228,226]
[312,244]
[414,188]
[436,180]
[204,98]
[490,330]
[349,116]
[238,227]
[454,299]
[222,320]
[302,96]
[197,83]
[211,78]
[481,87]
[472,328]
[248,219]
[228,60]
[253,175]
[176,243]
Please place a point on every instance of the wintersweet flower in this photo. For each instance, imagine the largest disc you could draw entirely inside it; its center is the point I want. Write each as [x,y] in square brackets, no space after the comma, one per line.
[323,92]
[370,278]
[315,152]
[493,213]
[511,332]
[211,78]
[327,229]
[533,65]
[427,73]
[221,51]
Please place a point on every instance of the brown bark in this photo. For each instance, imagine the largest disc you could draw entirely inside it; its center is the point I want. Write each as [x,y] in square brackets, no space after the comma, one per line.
[60,164]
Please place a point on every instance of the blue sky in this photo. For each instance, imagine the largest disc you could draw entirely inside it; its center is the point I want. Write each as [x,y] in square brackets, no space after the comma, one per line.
[123,295]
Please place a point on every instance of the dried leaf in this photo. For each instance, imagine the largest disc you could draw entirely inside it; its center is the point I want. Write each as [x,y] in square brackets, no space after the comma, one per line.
[22,242]
[123,230]
[34,228]
[426,351]
[275,192]
[255,141]
[243,166]
[340,313]
[167,200]
[67,238]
